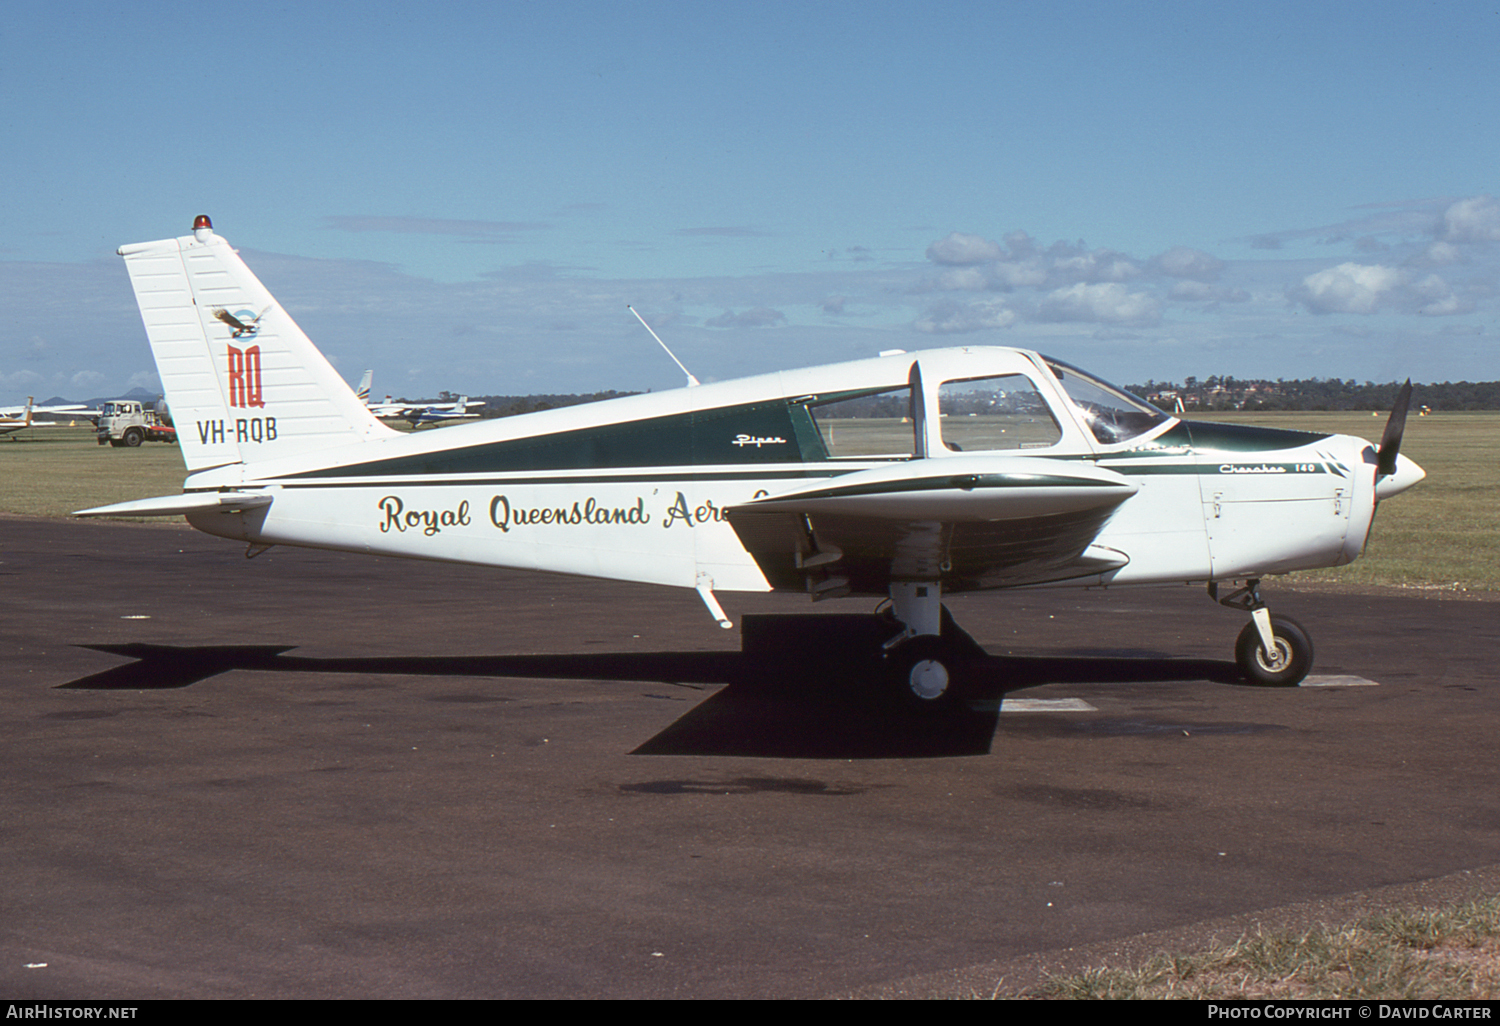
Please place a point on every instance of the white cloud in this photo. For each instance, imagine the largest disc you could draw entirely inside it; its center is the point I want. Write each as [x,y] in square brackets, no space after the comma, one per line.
[1021,245]
[1193,264]
[1438,298]
[1441,254]
[963,279]
[1193,292]
[1476,219]
[21,379]
[958,318]
[1025,274]
[1095,266]
[146,379]
[1109,303]
[960,249]
[759,317]
[1202,292]
[1348,288]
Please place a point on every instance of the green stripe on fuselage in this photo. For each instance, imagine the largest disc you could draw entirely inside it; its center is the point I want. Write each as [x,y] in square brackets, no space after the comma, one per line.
[756,433]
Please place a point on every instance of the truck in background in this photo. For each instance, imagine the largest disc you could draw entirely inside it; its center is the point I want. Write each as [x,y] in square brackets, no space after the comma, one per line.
[127,422]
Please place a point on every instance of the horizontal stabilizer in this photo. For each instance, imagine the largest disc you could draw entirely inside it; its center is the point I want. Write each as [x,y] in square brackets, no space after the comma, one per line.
[180,505]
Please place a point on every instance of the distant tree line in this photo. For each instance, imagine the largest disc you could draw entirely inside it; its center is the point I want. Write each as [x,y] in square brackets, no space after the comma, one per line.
[1227,393]
[1211,393]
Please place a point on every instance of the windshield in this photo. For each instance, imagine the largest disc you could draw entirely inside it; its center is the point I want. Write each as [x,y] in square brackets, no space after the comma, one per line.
[1112,415]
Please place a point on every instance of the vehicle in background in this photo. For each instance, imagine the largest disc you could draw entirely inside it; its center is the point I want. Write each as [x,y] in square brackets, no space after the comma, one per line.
[128,423]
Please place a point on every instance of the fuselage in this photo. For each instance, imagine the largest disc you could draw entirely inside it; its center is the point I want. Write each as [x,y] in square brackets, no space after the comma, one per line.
[640,488]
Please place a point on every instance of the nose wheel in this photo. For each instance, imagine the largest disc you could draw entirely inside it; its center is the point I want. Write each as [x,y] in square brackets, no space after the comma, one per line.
[1283,666]
[1272,649]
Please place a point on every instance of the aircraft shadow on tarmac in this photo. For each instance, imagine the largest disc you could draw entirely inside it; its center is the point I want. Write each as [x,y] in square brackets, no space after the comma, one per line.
[799,688]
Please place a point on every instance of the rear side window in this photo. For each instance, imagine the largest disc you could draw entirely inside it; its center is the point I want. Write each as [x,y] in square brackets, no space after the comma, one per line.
[873,424]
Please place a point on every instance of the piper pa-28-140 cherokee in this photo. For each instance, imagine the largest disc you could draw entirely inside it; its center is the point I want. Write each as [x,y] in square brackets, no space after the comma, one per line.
[906,476]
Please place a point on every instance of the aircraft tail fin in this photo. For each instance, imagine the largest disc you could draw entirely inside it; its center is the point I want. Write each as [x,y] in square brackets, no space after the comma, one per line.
[243,382]
[363,391]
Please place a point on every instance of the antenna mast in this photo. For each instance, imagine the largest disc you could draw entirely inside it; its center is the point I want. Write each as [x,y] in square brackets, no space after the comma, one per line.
[692,381]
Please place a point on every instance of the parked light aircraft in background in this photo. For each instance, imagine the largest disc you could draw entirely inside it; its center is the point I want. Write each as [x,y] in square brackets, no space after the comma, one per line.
[416,413]
[442,412]
[905,476]
[16,418]
[9,414]
[19,418]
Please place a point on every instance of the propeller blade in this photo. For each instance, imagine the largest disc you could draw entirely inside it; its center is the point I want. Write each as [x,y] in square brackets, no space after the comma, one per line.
[1390,442]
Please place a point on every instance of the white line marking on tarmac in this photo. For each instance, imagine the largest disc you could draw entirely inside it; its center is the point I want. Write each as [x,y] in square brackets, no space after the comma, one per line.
[1014,705]
[1335,680]
[1020,705]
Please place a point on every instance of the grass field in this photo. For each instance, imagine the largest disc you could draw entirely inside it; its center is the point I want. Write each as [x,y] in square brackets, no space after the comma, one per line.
[1444,533]
[51,471]
[1447,953]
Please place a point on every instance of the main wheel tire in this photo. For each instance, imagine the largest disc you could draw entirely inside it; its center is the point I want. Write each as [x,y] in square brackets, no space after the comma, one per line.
[1287,666]
[924,673]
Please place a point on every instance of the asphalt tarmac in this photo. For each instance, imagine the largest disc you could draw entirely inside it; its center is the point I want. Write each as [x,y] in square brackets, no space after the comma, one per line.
[321,775]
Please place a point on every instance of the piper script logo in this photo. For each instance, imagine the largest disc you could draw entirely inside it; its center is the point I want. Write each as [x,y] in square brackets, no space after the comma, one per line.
[244,378]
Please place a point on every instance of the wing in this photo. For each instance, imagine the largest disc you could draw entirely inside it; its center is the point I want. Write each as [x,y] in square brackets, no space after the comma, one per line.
[970,522]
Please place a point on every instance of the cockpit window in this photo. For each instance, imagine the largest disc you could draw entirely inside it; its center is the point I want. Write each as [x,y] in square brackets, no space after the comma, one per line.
[1005,412]
[1112,415]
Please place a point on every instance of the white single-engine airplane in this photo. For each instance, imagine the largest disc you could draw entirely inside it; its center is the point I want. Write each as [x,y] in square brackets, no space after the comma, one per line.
[442,412]
[905,476]
[416,413]
[19,418]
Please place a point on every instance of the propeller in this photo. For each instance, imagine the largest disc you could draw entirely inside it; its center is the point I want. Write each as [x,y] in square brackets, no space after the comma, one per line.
[1390,442]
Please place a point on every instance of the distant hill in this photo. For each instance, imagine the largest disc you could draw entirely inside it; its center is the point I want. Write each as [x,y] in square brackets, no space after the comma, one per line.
[142,394]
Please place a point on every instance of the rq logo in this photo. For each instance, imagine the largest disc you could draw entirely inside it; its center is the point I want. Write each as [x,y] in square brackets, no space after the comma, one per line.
[244,377]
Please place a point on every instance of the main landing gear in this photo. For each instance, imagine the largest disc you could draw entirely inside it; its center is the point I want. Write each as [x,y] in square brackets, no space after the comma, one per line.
[1272,649]
[927,659]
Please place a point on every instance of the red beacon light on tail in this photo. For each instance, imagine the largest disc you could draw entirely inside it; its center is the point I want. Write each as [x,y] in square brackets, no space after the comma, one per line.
[202,227]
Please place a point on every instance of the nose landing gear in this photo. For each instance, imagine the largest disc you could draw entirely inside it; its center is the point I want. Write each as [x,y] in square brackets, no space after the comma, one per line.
[1272,649]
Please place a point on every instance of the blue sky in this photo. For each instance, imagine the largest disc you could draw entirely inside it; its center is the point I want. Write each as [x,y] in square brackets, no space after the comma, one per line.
[466,196]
